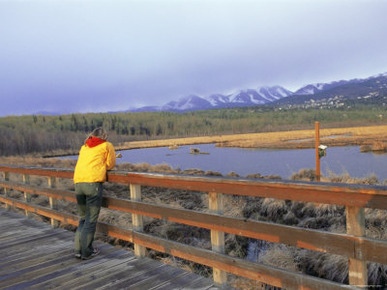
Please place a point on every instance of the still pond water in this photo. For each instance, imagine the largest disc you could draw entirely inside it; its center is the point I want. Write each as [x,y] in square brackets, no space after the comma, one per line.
[339,160]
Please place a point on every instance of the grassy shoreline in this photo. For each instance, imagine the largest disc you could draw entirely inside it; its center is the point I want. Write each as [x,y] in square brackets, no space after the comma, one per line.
[295,139]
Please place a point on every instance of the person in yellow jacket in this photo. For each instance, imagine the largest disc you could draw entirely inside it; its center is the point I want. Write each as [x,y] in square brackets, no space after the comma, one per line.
[95,158]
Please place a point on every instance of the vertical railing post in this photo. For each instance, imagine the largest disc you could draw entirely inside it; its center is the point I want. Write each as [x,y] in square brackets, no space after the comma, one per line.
[356,226]
[137,220]
[217,237]
[6,191]
[317,144]
[53,202]
[27,196]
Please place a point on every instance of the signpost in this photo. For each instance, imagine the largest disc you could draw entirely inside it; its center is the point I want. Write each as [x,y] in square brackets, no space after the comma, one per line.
[317,144]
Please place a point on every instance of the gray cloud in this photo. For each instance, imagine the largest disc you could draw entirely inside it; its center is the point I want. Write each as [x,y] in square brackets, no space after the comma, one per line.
[106,55]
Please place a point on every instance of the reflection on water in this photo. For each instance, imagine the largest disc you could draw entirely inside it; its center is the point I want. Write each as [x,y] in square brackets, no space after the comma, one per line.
[339,160]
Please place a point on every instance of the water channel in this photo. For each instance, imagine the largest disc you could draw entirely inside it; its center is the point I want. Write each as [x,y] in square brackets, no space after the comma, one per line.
[339,160]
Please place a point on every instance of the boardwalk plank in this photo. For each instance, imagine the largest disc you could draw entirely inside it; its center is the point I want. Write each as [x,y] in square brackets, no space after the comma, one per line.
[132,269]
[162,277]
[202,285]
[35,256]
[29,240]
[22,258]
[130,280]
[36,242]
[88,271]
[181,280]
[45,270]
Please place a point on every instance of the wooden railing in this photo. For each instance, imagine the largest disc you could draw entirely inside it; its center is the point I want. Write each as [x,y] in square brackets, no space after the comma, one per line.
[353,245]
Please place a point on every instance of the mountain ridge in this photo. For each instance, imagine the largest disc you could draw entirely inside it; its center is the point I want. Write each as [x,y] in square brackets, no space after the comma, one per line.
[333,93]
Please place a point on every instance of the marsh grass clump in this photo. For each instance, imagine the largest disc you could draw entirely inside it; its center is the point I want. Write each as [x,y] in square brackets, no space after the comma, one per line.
[282,257]
[236,246]
[376,146]
[304,174]
[192,200]
[322,265]
[260,176]
[346,178]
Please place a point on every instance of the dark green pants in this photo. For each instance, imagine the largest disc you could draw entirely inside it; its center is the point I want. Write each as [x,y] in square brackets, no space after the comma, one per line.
[89,199]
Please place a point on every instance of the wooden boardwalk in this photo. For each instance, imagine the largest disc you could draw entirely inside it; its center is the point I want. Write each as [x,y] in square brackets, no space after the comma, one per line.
[36,256]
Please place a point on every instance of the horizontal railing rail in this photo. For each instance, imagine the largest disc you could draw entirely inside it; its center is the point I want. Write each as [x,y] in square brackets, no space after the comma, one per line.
[353,245]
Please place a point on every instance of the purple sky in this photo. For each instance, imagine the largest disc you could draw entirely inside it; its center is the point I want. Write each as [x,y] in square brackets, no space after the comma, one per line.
[93,55]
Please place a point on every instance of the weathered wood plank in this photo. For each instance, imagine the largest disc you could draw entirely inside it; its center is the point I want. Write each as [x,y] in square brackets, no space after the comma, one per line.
[125,282]
[87,272]
[216,205]
[61,266]
[17,257]
[133,268]
[355,220]
[160,276]
[46,261]
[187,279]
[329,193]
[137,220]
[198,284]
[35,238]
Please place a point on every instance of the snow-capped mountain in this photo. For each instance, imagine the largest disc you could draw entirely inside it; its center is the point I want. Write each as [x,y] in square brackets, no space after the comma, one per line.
[260,96]
[374,86]
[218,100]
[312,89]
[372,90]
[189,103]
[242,98]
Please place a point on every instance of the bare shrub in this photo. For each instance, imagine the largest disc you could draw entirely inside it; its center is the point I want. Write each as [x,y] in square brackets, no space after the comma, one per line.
[331,267]
[377,275]
[212,173]
[234,205]
[282,257]
[346,178]
[273,208]
[365,148]
[379,146]
[233,174]
[376,223]
[236,246]
[304,174]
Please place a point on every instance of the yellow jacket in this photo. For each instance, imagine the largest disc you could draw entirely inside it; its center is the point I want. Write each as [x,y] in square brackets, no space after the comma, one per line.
[93,163]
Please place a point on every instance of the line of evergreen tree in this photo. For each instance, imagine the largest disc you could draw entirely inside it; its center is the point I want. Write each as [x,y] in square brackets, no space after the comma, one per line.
[40,133]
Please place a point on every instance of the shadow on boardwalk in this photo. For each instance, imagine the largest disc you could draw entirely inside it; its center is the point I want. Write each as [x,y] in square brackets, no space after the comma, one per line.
[33,255]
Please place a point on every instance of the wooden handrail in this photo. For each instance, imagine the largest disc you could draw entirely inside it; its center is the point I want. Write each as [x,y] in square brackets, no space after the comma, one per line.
[354,246]
[358,195]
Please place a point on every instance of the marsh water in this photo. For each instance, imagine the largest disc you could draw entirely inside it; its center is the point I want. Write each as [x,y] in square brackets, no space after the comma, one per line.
[283,163]
[339,160]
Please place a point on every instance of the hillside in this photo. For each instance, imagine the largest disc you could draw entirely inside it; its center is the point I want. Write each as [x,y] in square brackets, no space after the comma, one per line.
[336,94]
[370,91]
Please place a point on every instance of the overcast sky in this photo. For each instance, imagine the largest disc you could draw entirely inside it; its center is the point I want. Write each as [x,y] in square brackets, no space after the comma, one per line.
[83,56]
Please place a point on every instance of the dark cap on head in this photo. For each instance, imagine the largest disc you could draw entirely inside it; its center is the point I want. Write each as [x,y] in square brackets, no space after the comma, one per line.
[99,133]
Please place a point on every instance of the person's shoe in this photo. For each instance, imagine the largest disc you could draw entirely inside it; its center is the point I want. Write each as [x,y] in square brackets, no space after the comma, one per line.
[95,252]
[77,254]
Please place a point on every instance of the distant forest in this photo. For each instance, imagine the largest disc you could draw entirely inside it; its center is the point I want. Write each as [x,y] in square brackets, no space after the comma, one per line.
[41,134]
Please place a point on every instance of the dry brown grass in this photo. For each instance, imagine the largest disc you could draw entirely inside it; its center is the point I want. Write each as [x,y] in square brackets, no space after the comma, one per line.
[38,161]
[285,139]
